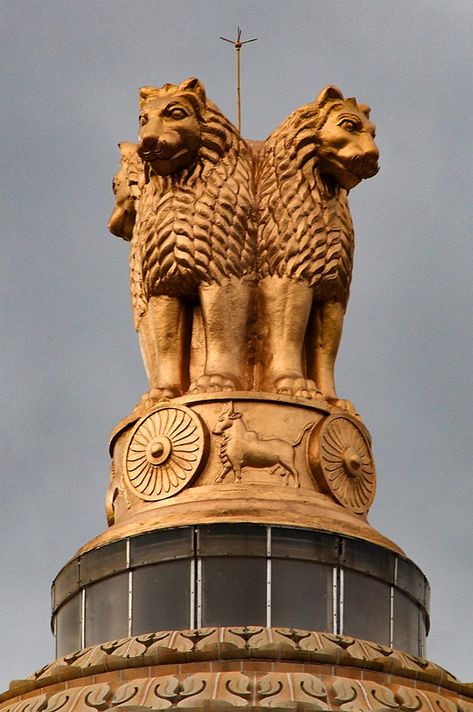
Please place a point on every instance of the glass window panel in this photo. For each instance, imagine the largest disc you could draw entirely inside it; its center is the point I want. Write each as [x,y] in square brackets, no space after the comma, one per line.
[66,582]
[67,625]
[368,558]
[301,544]
[232,539]
[366,607]
[411,579]
[161,597]
[234,591]
[301,595]
[103,561]
[427,597]
[106,610]
[406,624]
[161,545]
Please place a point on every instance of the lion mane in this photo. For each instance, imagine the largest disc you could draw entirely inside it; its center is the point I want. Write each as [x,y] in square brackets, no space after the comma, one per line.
[305,232]
[194,226]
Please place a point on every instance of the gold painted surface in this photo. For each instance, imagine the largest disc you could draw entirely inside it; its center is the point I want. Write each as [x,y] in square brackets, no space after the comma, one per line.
[262,459]
[305,240]
[241,253]
[184,201]
[164,452]
[240,266]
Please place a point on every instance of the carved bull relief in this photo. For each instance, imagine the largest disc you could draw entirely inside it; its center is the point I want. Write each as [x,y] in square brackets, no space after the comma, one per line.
[242,447]
[240,268]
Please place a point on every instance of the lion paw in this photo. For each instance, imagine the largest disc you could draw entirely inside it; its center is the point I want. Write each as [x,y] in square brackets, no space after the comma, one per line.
[344,404]
[297,387]
[212,383]
[158,395]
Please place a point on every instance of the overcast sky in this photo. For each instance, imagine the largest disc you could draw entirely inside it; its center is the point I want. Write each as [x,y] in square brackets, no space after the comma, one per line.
[69,357]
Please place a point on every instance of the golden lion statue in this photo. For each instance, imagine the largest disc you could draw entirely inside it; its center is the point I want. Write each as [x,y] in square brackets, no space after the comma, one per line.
[184,199]
[305,240]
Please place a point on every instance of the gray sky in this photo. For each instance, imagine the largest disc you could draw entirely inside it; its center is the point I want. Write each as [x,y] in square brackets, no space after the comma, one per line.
[70,367]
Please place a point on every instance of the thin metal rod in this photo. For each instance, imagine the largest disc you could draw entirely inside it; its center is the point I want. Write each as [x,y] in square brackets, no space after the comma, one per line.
[238,43]
[238,90]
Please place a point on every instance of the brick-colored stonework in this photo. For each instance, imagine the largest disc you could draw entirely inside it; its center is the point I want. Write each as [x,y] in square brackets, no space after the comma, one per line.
[250,667]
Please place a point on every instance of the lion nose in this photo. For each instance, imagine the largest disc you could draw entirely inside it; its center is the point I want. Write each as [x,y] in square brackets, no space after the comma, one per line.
[373,155]
[149,143]
[370,161]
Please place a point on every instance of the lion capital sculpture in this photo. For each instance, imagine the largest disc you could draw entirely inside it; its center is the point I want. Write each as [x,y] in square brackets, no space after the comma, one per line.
[184,200]
[209,215]
[305,240]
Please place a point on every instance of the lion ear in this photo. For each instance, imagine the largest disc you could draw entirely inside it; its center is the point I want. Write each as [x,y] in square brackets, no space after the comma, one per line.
[365,109]
[329,93]
[195,86]
[145,93]
[127,148]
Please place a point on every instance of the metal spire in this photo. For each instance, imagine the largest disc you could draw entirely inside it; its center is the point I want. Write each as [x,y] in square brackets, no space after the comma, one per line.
[238,43]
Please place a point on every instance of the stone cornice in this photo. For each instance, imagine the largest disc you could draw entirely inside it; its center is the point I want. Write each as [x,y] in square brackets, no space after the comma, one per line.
[238,643]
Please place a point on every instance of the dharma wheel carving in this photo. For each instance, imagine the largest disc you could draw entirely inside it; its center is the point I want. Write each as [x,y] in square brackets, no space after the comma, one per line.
[241,257]
[341,459]
[165,452]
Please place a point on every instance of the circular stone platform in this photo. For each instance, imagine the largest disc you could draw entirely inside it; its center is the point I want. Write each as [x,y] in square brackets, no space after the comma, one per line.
[241,458]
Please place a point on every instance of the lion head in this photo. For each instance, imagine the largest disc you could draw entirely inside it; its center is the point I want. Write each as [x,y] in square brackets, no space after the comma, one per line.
[345,138]
[194,211]
[170,125]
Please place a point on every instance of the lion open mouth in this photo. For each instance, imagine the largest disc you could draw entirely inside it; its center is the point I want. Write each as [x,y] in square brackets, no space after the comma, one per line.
[363,166]
[161,153]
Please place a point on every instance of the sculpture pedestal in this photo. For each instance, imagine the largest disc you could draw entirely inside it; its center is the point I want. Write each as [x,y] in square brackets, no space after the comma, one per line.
[242,511]
[241,457]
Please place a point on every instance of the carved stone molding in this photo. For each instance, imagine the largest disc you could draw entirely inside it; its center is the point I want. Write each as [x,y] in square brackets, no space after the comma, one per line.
[236,689]
[239,644]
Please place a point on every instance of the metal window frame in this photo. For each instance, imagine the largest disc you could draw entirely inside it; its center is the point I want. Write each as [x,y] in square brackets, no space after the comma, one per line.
[195,604]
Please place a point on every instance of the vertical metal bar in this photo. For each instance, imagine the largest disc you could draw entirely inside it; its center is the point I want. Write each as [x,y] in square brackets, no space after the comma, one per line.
[192,622]
[199,593]
[391,605]
[268,577]
[334,600]
[130,587]
[341,596]
[420,638]
[130,602]
[82,618]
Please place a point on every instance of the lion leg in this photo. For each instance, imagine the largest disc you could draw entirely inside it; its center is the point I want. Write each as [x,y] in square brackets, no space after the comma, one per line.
[162,334]
[285,309]
[225,314]
[325,332]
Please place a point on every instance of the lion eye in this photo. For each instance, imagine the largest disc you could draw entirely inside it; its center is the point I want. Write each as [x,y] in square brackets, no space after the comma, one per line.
[177,113]
[349,125]
[143,119]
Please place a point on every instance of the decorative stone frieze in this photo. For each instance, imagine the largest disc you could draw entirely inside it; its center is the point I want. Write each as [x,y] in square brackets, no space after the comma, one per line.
[236,647]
